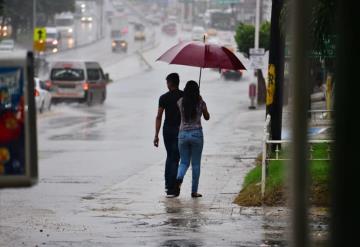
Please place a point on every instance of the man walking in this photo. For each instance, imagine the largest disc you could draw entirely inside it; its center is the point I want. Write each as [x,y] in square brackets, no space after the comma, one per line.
[168,102]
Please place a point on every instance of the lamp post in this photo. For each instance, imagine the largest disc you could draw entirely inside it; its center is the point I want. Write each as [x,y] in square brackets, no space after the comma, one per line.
[34,14]
[257,24]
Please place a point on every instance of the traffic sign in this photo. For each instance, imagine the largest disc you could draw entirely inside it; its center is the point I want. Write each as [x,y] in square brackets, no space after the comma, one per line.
[257,51]
[40,39]
[257,58]
[40,34]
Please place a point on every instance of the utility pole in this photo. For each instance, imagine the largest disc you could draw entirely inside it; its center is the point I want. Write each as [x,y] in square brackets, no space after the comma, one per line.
[34,14]
[257,24]
[274,94]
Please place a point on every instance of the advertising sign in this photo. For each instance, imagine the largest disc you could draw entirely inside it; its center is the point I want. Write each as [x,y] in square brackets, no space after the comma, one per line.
[18,146]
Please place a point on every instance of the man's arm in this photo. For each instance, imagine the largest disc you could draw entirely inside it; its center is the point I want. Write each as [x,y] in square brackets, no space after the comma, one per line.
[158,126]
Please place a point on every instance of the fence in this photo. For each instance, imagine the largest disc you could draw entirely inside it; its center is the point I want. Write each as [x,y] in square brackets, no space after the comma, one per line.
[275,146]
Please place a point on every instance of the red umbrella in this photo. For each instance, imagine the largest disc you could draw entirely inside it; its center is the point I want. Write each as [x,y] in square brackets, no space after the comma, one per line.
[199,54]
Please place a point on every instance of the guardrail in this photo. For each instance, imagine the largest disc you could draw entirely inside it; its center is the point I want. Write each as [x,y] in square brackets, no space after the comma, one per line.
[268,146]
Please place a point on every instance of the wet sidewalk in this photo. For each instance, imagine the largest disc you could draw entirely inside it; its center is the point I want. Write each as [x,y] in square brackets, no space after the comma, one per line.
[141,215]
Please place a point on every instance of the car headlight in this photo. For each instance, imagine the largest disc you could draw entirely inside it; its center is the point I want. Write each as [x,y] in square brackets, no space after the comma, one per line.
[113,44]
[83,18]
[70,30]
[55,42]
[89,18]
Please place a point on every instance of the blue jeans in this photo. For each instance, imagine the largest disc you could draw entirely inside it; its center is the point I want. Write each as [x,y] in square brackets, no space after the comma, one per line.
[170,135]
[191,144]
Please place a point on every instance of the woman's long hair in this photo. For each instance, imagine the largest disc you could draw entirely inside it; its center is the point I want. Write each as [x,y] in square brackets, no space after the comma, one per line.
[190,102]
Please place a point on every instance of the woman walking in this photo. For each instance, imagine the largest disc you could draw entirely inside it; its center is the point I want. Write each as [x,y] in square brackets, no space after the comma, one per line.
[191,139]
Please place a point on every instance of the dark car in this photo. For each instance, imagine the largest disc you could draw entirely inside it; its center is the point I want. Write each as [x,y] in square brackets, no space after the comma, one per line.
[169,29]
[231,74]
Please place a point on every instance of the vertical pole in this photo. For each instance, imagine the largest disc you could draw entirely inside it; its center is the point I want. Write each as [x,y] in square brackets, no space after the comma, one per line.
[299,163]
[274,96]
[200,77]
[34,14]
[345,218]
[264,155]
[257,24]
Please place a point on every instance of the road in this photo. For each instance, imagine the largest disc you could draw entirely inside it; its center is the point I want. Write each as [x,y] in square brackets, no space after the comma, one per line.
[89,154]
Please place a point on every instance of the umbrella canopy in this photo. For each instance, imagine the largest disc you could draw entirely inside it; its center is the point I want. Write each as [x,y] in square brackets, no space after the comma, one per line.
[202,55]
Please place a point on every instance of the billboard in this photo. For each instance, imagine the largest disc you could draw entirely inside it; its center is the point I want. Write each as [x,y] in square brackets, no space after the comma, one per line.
[18,145]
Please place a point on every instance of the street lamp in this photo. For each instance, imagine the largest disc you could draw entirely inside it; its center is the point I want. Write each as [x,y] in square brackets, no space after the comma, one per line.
[34,14]
[257,24]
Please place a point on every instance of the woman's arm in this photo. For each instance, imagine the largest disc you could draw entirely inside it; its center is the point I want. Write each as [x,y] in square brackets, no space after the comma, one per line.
[205,112]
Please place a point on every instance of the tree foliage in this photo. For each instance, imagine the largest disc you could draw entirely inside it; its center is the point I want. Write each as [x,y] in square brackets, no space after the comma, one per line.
[19,13]
[321,25]
[245,36]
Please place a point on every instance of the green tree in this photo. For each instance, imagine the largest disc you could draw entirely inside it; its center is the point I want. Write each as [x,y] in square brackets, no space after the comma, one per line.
[265,35]
[244,38]
[245,35]
[18,13]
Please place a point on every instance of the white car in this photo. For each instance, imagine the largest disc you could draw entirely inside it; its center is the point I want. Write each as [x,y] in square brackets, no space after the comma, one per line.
[197,33]
[7,45]
[42,96]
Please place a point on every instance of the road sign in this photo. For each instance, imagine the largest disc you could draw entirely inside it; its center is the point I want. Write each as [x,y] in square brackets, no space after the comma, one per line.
[39,39]
[40,34]
[257,51]
[257,58]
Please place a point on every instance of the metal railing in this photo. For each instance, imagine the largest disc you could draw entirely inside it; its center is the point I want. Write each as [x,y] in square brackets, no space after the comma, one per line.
[316,117]
[275,145]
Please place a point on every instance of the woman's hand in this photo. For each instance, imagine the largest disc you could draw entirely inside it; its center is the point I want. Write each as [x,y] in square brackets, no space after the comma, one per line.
[156,141]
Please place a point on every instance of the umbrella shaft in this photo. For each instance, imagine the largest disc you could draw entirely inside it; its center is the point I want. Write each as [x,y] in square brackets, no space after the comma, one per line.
[200,77]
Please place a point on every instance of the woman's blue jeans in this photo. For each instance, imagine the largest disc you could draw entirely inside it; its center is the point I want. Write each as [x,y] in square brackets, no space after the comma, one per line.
[191,144]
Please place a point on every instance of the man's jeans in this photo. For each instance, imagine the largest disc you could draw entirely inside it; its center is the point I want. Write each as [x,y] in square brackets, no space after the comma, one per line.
[170,135]
[190,146]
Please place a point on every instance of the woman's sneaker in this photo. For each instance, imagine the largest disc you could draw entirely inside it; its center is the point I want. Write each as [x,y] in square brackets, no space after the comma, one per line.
[177,187]
[195,195]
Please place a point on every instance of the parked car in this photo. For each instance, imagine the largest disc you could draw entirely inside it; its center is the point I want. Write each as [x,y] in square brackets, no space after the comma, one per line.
[7,45]
[169,29]
[82,81]
[42,96]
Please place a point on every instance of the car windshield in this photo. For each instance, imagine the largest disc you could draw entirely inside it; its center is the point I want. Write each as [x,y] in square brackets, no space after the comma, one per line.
[67,74]
[51,35]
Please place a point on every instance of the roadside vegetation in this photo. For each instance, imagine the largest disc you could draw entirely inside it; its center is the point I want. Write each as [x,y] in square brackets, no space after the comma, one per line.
[275,193]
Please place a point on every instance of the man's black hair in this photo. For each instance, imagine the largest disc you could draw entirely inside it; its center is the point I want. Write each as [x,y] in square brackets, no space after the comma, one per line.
[173,78]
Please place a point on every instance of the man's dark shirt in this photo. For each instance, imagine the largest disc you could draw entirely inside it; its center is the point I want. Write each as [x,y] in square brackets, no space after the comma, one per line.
[168,101]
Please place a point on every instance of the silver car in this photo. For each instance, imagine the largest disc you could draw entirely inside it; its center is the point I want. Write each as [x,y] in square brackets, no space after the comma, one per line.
[82,81]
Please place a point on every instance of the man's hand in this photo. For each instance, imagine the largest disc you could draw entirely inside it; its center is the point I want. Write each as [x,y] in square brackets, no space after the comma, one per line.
[156,141]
